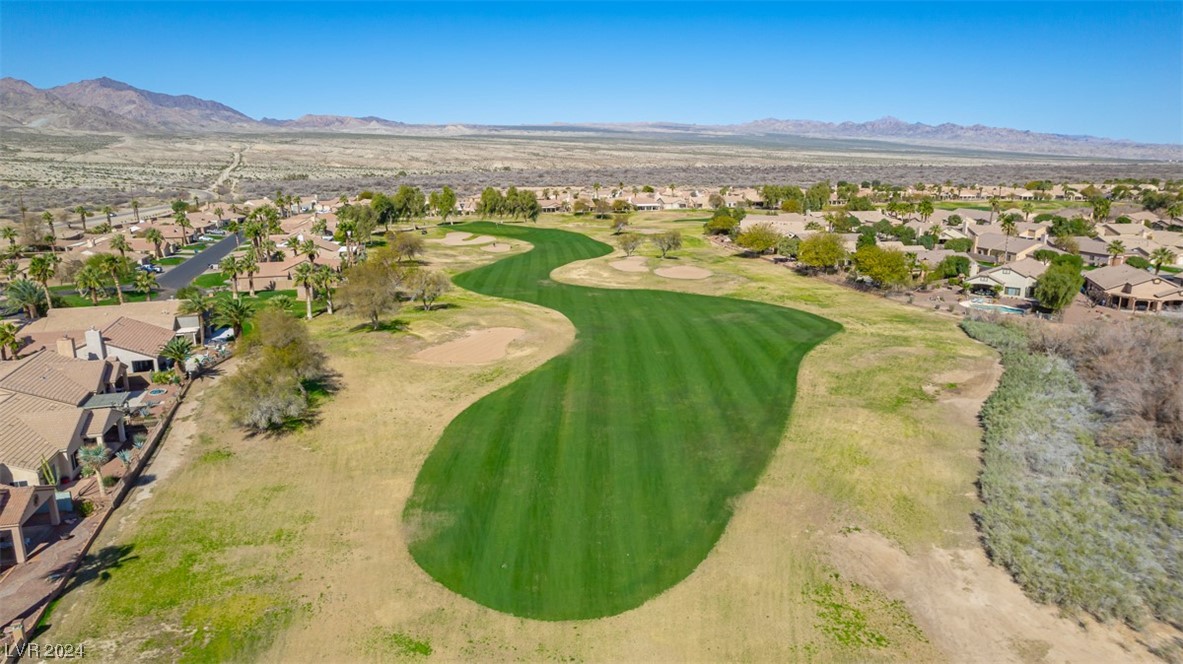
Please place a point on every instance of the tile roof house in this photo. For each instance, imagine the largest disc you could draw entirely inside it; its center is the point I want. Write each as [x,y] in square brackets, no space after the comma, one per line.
[134,332]
[1005,248]
[1127,287]
[18,507]
[47,412]
[1015,279]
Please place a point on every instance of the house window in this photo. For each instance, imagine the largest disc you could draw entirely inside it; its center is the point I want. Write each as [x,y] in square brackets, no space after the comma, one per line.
[1013,292]
[140,366]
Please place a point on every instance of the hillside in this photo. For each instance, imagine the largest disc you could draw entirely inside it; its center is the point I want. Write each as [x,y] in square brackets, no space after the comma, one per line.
[106,105]
[24,105]
[152,110]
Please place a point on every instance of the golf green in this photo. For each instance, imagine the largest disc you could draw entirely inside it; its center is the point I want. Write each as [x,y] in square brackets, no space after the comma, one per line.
[605,476]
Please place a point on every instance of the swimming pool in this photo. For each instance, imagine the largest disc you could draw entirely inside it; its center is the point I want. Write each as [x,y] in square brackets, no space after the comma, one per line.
[996,308]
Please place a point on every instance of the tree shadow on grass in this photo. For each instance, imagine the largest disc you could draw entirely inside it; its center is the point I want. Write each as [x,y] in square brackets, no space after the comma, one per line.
[438,306]
[395,325]
[97,566]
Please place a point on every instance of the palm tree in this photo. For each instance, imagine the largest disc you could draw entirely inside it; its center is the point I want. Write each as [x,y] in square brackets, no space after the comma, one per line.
[109,212]
[1160,256]
[233,314]
[218,212]
[9,233]
[305,277]
[42,267]
[92,458]
[154,236]
[10,340]
[1028,208]
[925,207]
[281,302]
[995,206]
[116,267]
[135,209]
[267,250]
[91,282]
[230,267]
[11,269]
[26,295]
[178,349]
[145,282]
[1115,249]
[119,243]
[250,266]
[1100,209]
[201,304]
[1008,229]
[310,249]
[47,217]
[181,219]
[326,278]
[82,213]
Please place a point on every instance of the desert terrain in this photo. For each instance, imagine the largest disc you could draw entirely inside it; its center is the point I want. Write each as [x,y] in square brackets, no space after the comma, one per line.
[58,169]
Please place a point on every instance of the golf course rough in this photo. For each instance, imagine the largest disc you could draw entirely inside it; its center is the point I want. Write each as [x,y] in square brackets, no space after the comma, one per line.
[605,476]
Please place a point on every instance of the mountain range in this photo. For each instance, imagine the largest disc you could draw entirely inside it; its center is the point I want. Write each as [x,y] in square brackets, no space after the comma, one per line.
[106,105]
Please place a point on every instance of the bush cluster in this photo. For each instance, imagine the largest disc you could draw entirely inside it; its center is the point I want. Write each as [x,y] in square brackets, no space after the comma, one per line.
[1076,523]
[270,391]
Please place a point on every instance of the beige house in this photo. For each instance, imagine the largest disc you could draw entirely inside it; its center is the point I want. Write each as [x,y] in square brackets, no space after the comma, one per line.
[133,333]
[1004,248]
[20,507]
[1127,287]
[49,407]
[1015,279]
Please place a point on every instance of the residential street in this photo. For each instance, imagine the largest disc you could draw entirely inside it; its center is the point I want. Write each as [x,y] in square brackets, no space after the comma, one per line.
[184,274]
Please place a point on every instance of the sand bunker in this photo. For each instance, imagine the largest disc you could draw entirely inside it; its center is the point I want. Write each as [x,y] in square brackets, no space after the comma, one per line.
[683,272]
[631,264]
[479,347]
[458,239]
[497,247]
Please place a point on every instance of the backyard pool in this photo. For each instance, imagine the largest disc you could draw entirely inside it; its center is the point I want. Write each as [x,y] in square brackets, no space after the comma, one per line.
[996,308]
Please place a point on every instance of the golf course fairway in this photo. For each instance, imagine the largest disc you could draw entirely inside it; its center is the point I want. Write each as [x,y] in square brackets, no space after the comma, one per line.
[605,476]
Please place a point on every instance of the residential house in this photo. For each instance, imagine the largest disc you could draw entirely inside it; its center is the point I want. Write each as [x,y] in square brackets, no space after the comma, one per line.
[1127,287]
[1004,248]
[133,333]
[21,507]
[1096,252]
[1015,279]
[51,405]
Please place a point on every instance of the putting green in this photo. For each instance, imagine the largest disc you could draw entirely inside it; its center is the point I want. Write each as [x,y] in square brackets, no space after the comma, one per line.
[606,475]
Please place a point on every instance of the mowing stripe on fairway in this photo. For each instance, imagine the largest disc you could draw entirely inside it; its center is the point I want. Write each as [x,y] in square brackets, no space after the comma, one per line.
[606,475]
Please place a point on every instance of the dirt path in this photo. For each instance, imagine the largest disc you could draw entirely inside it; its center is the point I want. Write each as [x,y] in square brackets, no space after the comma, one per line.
[170,455]
[235,162]
[970,608]
[974,611]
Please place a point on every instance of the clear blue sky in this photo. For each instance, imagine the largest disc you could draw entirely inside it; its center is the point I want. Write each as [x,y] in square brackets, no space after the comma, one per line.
[1106,69]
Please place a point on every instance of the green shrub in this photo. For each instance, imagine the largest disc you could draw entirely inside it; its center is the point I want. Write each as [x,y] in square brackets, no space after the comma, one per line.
[1076,524]
[84,508]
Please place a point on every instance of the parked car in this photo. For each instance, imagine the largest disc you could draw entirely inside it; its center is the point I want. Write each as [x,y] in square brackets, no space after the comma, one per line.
[150,268]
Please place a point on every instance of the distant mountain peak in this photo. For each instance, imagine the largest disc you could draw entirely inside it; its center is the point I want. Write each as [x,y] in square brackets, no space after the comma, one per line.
[106,104]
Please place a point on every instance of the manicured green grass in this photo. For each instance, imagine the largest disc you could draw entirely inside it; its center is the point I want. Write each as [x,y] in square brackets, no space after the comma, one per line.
[76,300]
[210,280]
[297,308]
[171,260]
[605,476]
